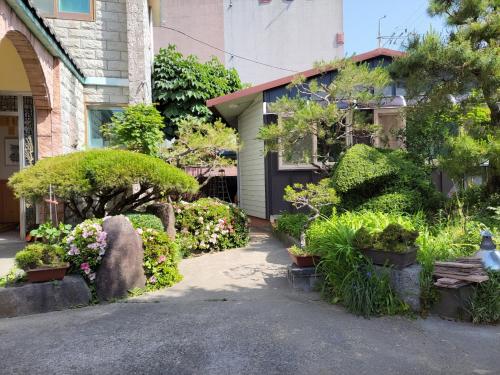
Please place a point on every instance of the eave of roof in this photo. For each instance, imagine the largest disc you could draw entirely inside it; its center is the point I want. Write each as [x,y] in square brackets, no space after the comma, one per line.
[44,33]
[287,80]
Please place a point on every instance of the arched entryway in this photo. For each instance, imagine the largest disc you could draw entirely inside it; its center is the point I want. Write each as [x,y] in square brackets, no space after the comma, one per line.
[24,104]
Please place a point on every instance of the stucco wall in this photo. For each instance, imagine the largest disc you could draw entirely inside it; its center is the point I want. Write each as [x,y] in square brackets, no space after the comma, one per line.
[12,74]
[251,178]
[72,112]
[287,34]
[202,19]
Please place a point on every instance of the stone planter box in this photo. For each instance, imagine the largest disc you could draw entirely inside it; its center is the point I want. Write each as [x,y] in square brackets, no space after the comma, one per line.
[453,304]
[389,258]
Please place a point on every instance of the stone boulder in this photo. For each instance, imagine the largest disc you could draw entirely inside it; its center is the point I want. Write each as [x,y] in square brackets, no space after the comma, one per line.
[165,211]
[121,268]
[37,298]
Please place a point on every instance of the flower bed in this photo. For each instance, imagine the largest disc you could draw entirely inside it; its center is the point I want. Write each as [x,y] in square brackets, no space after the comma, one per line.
[86,245]
[210,225]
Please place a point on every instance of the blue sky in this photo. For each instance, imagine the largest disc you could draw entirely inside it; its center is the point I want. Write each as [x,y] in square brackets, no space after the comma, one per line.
[361,21]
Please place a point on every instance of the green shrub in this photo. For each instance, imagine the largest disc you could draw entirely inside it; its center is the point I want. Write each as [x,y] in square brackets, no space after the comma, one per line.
[144,221]
[363,240]
[299,251]
[161,257]
[86,246]
[385,180]
[51,234]
[441,242]
[395,238]
[210,225]
[485,305]
[98,182]
[367,293]
[348,276]
[38,254]
[362,165]
[291,224]
[138,128]
[398,202]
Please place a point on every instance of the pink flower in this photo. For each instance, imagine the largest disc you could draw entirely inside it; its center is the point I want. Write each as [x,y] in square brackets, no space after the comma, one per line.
[85,267]
[152,280]
[161,259]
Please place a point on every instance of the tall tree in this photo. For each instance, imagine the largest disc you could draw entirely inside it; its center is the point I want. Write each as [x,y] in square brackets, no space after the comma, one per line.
[462,133]
[182,85]
[465,62]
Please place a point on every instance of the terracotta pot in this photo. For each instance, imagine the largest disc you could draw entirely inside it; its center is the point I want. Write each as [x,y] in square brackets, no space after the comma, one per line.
[304,260]
[42,274]
[390,258]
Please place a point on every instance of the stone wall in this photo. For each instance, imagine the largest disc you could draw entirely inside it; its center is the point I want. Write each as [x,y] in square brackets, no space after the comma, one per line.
[140,53]
[100,49]
[72,112]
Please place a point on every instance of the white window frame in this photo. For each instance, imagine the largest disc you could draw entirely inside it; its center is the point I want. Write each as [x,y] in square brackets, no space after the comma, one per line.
[287,166]
[88,132]
[386,111]
[71,16]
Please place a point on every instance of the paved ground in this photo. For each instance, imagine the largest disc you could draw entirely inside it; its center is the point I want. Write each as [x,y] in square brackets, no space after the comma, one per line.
[10,244]
[234,314]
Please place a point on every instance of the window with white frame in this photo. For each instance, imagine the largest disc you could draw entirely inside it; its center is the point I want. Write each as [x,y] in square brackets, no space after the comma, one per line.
[67,9]
[303,155]
[97,117]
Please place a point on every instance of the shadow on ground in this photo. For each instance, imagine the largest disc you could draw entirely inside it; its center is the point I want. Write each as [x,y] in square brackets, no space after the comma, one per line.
[234,314]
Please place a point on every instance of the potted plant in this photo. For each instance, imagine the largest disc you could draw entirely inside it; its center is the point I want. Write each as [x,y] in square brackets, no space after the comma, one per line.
[302,258]
[394,246]
[42,262]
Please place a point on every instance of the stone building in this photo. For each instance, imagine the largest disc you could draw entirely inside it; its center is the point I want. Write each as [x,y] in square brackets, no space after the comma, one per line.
[65,67]
[263,39]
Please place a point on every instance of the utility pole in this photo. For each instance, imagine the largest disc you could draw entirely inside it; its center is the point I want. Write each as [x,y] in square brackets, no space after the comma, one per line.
[379,36]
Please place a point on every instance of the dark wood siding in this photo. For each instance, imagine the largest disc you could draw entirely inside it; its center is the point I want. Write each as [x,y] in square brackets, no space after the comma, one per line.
[277,180]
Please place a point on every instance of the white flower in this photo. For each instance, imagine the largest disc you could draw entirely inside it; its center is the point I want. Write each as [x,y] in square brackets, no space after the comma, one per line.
[92,276]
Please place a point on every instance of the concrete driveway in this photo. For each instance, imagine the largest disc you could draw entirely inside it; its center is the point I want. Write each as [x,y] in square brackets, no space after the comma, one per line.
[234,314]
[10,244]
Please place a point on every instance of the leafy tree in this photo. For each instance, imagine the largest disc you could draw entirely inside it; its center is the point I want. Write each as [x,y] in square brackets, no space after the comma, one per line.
[182,85]
[464,61]
[325,111]
[138,128]
[99,182]
[201,144]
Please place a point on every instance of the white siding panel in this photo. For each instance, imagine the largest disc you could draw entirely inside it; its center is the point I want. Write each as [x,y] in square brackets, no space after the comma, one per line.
[251,176]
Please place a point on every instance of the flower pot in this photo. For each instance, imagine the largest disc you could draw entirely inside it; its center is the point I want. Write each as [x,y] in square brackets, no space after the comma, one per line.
[304,260]
[391,258]
[47,273]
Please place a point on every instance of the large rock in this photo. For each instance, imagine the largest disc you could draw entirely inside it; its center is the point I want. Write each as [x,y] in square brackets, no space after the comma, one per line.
[36,298]
[121,268]
[165,211]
